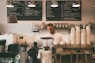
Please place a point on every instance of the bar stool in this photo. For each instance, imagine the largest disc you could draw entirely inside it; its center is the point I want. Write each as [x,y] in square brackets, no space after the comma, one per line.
[64,54]
[85,57]
[92,58]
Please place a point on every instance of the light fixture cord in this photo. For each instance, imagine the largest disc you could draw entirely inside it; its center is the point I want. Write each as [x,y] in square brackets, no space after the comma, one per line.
[31,0]
[78,1]
[53,1]
[11,1]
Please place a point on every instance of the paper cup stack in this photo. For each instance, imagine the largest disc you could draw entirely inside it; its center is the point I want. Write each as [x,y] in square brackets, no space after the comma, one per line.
[83,37]
[68,41]
[78,36]
[73,37]
[88,32]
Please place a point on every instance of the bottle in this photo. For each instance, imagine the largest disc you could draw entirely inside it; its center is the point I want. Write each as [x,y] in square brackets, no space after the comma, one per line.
[66,25]
[60,26]
[63,25]
[57,25]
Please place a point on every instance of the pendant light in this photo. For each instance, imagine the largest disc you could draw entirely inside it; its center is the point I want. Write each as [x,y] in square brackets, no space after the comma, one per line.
[9,3]
[54,3]
[76,4]
[12,18]
[31,3]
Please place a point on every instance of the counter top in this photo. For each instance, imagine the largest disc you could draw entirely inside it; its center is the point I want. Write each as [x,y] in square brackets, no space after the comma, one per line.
[66,46]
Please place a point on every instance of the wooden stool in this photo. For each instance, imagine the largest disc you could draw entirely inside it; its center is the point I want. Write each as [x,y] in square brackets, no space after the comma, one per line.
[85,57]
[64,54]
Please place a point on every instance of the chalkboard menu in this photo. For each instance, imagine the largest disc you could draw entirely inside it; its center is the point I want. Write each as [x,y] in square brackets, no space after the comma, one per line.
[23,12]
[64,11]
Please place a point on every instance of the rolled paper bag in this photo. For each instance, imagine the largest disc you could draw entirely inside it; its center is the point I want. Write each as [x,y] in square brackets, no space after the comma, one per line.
[68,41]
[83,38]
[88,30]
[73,37]
[78,36]
[77,28]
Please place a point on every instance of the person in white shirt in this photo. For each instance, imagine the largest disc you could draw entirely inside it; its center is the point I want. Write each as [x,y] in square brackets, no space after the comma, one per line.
[56,36]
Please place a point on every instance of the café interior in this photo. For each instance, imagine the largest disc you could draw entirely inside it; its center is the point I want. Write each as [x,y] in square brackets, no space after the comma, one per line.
[23,27]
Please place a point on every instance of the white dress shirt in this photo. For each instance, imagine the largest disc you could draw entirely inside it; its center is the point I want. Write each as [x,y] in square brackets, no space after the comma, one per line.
[57,37]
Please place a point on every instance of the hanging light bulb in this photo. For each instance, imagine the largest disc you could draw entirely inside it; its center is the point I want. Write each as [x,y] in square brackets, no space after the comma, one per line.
[31,3]
[9,3]
[76,4]
[54,3]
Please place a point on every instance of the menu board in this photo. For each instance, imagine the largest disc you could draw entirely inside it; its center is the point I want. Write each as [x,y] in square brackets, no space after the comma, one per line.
[64,11]
[23,12]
